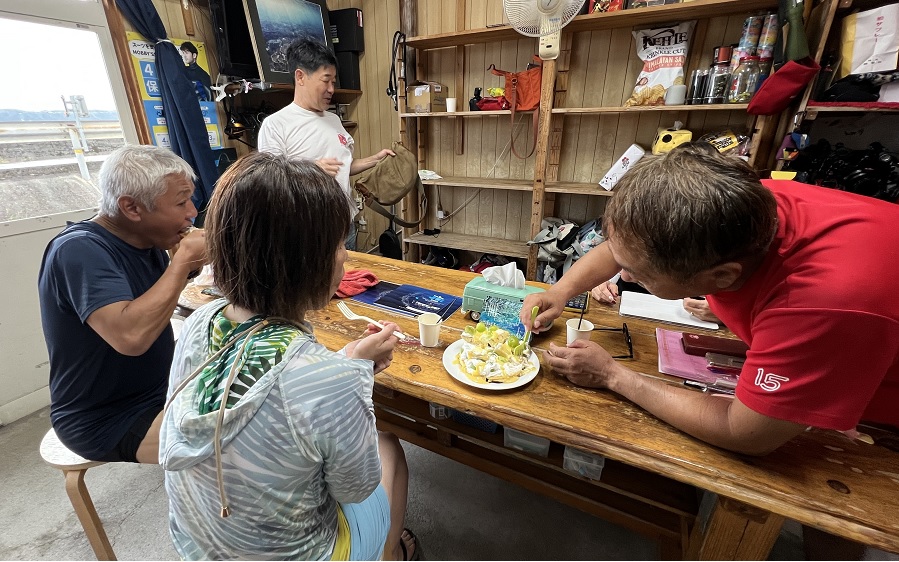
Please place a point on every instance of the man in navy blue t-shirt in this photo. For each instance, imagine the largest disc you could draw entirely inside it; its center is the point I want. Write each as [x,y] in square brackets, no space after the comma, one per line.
[107,291]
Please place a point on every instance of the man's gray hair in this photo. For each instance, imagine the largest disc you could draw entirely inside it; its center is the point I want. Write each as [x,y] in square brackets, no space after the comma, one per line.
[139,171]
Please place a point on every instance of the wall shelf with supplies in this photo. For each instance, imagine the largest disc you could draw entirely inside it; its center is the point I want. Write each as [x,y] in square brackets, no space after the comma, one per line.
[582,127]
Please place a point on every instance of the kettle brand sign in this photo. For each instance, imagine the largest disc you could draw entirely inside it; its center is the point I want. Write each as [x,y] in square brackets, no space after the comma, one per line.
[665,38]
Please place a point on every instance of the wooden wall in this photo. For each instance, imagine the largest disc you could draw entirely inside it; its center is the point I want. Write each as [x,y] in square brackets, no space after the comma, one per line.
[373,111]
[378,124]
[603,69]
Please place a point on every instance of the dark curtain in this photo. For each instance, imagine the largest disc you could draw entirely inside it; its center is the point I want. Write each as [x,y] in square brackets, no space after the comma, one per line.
[187,131]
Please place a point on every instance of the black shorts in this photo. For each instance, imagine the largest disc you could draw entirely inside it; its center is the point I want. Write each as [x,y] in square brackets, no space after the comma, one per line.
[126,450]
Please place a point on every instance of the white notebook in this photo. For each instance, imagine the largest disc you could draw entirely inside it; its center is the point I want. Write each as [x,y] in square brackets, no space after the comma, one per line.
[644,305]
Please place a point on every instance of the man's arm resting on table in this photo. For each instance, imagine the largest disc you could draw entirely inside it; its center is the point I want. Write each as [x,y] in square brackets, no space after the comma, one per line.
[131,327]
[723,422]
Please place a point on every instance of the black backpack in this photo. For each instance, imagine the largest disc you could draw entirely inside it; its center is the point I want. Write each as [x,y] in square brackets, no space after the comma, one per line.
[389,243]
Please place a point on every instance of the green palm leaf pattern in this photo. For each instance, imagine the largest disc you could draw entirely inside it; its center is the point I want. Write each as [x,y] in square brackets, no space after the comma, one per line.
[264,350]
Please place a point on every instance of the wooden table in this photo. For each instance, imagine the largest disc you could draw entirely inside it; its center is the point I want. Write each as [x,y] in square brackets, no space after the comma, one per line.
[653,471]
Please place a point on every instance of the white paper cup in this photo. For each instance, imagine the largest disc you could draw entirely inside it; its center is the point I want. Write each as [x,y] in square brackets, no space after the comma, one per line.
[429,329]
[675,95]
[578,334]
[450,105]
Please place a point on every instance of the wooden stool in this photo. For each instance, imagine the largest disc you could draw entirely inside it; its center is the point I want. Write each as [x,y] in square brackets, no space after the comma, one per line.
[73,468]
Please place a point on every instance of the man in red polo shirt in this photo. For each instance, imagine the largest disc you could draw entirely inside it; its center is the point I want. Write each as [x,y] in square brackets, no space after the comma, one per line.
[802,274]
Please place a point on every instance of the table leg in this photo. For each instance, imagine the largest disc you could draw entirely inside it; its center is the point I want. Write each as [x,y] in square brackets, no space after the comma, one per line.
[734,531]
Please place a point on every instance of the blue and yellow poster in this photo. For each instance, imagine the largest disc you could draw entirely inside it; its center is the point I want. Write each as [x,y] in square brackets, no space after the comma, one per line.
[193,53]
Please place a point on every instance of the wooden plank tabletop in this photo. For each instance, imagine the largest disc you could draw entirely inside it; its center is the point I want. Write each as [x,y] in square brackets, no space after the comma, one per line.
[821,478]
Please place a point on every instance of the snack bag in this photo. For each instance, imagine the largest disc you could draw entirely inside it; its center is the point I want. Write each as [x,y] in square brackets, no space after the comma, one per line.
[602,6]
[663,51]
[727,141]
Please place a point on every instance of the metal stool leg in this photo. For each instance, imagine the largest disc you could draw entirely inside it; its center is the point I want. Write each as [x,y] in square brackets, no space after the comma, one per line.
[87,515]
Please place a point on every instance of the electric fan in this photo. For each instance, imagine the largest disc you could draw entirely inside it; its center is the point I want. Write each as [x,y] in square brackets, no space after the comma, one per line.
[543,19]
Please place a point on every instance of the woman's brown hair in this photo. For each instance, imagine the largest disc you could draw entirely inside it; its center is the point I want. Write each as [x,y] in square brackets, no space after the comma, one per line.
[691,209]
[272,231]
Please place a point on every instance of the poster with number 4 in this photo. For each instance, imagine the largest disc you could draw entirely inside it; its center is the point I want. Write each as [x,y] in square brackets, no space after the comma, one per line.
[193,53]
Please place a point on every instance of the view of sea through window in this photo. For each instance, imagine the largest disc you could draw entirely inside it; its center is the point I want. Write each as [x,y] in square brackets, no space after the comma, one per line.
[58,119]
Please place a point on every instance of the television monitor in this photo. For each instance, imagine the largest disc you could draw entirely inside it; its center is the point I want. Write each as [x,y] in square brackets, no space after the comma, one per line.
[252,36]
[234,46]
[275,24]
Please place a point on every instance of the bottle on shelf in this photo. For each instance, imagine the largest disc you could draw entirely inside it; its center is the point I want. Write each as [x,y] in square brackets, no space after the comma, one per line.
[473,102]
[744,80]
[718,78]
[697,86]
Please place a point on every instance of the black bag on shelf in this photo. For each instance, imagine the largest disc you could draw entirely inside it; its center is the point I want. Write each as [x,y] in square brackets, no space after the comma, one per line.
[873,171]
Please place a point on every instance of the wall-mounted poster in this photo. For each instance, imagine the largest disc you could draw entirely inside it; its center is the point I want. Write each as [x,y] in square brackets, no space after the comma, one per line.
[193,53]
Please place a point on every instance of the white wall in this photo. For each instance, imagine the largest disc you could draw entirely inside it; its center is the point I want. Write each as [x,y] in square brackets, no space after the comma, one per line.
[24,372]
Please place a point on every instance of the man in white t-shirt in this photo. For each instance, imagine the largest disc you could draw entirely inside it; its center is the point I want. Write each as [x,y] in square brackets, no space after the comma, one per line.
[306,129]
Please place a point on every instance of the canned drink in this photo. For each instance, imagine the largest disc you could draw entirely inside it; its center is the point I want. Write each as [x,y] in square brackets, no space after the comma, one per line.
[749,40]
[768,37]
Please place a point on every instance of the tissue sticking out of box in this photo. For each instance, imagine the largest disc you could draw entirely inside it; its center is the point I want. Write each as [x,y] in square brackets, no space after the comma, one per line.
[630,157]
[505,276]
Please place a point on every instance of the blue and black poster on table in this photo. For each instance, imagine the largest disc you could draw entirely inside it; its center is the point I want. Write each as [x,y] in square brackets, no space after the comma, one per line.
[409,300]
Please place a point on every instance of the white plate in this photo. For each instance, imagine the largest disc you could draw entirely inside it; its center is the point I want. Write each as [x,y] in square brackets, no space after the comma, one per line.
[452,351]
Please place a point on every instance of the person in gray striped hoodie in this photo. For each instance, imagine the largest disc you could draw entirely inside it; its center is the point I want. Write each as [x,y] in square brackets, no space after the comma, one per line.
[268,439]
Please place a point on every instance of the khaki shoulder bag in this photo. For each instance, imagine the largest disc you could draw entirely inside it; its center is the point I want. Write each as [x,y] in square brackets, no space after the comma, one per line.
[389,181]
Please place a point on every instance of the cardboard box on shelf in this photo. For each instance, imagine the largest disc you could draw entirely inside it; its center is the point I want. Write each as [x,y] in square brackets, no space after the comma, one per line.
[426,97]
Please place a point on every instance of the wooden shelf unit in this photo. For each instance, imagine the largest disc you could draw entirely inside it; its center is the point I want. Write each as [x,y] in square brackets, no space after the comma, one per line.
[469,242]
[640,17]
[631,109]
[582,126]
[492,113]
[639,108]
[848,109]
[573,188]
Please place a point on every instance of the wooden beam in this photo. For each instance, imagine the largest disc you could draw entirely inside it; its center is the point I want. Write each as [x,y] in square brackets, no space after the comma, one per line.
[407,73]
[460,80]
[555,135]
[547,85]
[188,17]
[733,531]
[123,57]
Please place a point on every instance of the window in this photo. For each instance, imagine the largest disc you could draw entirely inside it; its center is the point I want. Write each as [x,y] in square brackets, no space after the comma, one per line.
[59,113]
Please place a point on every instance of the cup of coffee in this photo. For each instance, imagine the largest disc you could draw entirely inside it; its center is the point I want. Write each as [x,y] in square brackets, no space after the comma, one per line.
[429,329]
[450,105]
[575,333]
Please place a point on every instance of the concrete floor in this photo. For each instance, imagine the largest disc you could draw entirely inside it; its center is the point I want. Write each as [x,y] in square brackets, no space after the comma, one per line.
[457,512]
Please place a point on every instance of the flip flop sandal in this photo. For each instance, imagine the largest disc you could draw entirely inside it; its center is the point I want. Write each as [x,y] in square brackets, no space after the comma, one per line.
[417,555]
